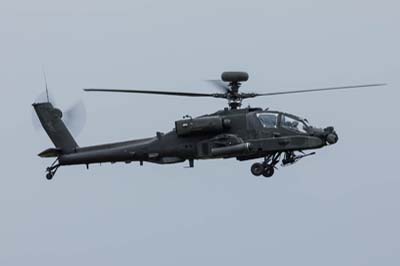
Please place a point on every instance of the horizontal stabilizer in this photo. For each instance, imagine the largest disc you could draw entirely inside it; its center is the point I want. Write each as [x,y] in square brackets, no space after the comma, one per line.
[51,152]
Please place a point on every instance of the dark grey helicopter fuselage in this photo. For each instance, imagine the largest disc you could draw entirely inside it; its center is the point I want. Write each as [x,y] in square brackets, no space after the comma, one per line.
[241,135]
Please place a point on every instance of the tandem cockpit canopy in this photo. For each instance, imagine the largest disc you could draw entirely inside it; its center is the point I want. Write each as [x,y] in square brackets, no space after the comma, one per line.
[271,119]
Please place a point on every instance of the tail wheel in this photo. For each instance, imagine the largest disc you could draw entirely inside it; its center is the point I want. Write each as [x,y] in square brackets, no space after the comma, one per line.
[51,171]
[49,176]
[257,169]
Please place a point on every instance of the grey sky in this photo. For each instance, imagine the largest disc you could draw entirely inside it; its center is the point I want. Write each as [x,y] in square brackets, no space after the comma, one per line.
[340,207]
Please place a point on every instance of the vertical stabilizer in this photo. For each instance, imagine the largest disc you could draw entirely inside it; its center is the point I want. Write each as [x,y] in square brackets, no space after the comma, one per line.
[50,118]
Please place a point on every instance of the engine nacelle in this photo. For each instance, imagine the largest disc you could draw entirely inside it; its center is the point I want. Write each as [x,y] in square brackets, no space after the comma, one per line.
[201,125]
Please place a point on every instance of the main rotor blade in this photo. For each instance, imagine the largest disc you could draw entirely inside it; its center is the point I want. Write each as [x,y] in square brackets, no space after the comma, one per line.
[320,89]
[172,93]
[219,84]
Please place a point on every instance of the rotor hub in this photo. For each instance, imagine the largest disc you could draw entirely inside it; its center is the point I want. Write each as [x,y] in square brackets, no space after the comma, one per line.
[233,95]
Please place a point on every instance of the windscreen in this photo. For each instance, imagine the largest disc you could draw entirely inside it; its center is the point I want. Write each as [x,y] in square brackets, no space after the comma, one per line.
[268,120]
[293,123]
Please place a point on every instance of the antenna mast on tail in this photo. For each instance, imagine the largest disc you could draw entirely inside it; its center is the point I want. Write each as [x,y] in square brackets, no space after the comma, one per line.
[45,82]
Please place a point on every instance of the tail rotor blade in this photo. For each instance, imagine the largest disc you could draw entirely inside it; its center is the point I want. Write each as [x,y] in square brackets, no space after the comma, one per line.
[75,118]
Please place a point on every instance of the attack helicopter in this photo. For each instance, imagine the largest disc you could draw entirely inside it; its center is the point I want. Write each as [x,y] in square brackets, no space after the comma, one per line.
[234,132]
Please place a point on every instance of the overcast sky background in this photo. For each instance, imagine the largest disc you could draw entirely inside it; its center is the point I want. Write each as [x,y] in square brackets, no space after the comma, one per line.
[340,207]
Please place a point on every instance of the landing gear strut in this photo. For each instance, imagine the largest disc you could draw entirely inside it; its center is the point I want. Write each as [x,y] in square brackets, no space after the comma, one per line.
[51,171]
[266,168]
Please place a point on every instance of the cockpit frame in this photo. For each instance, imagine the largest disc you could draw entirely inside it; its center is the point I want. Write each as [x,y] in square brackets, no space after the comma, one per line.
[279,123]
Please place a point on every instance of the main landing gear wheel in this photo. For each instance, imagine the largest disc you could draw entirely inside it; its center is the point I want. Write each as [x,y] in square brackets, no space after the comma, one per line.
[257,169]
[266,168]
[268,171]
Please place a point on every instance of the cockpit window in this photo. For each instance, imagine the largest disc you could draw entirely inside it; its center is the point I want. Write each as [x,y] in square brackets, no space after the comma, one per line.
[293,123]
[268,120]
